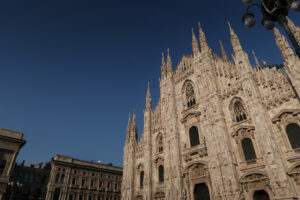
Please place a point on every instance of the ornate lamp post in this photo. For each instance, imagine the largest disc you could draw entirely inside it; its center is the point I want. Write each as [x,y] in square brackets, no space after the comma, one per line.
[273,11]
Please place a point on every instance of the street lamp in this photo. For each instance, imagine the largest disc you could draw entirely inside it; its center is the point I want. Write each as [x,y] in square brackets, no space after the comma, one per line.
[273,11]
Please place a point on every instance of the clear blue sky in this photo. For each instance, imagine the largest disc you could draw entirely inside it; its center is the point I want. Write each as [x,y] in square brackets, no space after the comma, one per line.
[71,71]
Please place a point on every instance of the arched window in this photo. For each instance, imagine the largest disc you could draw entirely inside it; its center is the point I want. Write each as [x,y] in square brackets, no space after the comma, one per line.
[62,178]
[239,111]
[2,166]
[160,144]
[194,136]
[142,179]
[57,178]
[248,149]
[161,173]
[190,95]
[293,133]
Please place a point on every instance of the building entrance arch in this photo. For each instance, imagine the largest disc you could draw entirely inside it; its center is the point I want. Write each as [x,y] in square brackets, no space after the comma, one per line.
[201,192]
[261,195]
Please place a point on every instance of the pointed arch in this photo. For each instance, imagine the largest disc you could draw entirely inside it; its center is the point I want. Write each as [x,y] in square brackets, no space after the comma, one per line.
[189,94]
[159,143]
[293,133]
[238,110]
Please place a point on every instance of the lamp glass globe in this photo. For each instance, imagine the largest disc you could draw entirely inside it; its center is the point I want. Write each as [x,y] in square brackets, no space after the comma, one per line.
[248,2]
[295,6]
[269,25]
[249,21]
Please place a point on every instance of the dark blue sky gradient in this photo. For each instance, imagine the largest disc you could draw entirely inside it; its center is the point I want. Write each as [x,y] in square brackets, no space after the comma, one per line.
[72,70]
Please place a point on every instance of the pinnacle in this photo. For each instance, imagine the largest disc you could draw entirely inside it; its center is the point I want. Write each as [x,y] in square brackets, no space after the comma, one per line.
[256,60]
[223,51]
[203,42]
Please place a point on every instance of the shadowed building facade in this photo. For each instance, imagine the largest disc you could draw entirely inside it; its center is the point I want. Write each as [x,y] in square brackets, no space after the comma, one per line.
[10,144]
[73,179]
[221,130]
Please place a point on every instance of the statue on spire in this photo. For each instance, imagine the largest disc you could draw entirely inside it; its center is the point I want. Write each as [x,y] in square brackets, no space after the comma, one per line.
[235,42]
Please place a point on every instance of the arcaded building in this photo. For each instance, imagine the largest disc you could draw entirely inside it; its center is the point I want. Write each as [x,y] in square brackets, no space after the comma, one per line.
[221,130]
[73,179]
[10,144]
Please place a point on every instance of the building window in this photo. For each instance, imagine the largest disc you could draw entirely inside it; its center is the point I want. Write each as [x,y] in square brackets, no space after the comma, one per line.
[248,149]
[62,178]
[73,181]
[92,183]
[239,111]
[2,166]
[142,179]
[160,144]
[194,136]
[82,182]
[116,186]
[100,184]
[90,197]
[57,178]
[190,95]
[161,173]
[293,133]
[80,197]
[108,186]
[70,197]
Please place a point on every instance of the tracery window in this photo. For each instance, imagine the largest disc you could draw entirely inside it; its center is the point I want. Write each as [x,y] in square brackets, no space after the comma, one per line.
[293,133]
[194,136]
[160,144]
[161,174]
[2,166]
[248,149]
[190,95]
[239,111]
[142,179]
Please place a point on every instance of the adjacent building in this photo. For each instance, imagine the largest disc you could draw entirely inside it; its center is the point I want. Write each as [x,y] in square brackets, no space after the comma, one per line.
[10,144]
[28,182]
[221,130]
[73,179]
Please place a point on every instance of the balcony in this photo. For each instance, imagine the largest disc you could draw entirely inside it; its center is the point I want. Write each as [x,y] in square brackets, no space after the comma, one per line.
[195,152]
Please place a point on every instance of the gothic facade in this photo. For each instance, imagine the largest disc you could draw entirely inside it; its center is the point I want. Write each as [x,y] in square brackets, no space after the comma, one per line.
[221,130]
